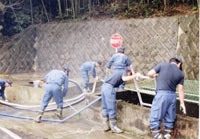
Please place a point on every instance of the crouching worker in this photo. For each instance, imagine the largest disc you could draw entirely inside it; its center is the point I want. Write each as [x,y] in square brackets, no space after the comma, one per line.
[54,80]
[109,97]
[164,103]
[3,85]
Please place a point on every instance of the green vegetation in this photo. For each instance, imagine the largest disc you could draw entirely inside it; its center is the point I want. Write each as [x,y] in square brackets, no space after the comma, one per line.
[16,15]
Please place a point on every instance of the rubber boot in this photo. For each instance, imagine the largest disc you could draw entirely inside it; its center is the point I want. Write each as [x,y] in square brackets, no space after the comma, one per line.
[106,123]
[59,113]
[167,133]
[156,134]
[38,118]
[113,126]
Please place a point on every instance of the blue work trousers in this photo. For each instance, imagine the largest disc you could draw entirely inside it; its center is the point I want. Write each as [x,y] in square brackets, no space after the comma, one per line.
[163,107]
[85,77]
[108,95]
[2,93]
[121,86]
[52,90]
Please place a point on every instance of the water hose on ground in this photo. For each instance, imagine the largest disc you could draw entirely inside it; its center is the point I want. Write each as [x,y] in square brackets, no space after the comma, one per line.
[33,107]
[36,107]
[53,120]
[11,134]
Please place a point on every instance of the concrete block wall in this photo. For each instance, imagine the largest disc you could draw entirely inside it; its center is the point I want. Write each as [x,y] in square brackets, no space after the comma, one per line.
[18,56]
[149,41]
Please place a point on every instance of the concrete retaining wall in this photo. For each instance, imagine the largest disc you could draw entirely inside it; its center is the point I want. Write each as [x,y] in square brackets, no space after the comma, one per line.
[135,118]
[41,48]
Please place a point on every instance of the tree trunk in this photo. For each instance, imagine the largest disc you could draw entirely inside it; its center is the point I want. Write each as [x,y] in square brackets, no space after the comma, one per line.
[83,4]
[66,8]
[76,6]
[73,10]
[93,5]
[166,3]
[128,3]
[60,9]
[79,6]
[45,10]
[31,5]
[89,7]
[50,11]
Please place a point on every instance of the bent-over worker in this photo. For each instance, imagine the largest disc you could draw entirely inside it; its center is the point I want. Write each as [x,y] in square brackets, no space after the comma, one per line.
[54,80]
[85,69]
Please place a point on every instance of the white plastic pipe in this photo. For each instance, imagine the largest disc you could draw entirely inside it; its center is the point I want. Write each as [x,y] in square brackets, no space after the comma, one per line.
[11,134]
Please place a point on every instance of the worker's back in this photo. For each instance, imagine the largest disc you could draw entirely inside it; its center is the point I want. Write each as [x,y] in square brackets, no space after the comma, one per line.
[169,76]
[88,66]
[56,76]
[115,78]
[119,61]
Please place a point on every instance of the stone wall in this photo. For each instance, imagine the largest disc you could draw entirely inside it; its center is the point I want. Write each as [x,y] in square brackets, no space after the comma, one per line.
[148,41]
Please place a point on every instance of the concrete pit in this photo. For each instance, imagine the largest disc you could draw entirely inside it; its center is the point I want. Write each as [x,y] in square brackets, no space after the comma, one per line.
[86,125]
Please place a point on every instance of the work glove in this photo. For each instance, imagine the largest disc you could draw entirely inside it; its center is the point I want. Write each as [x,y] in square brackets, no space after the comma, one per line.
[138,76]
[182,108]
[97,78]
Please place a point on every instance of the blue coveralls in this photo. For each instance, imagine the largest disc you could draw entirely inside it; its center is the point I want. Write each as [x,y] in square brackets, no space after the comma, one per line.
[164,103]
[85,68]
[120,62]
[2,93]
[54,81]
[108,94]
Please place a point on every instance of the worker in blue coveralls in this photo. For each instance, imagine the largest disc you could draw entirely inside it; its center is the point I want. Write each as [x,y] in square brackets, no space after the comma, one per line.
[109,97]
[164,103]
[54,80]
[3,85]
[85,68]
[119,61]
